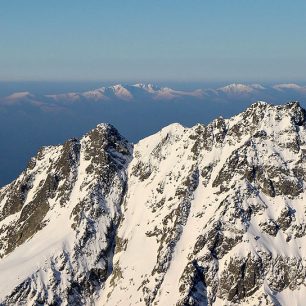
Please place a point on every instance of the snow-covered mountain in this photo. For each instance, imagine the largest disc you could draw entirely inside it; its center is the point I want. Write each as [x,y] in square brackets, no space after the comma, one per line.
[116,93]
[151,93]
[291,87]
[128,93]
[240,89]
[208,215]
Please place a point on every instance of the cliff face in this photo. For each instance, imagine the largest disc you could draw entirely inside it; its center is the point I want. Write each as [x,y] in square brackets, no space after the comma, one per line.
[208,215]
[59,220]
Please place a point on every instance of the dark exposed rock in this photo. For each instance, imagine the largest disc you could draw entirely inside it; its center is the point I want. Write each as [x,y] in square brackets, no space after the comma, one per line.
[285,218]
[270,227]
[241,278]
[16,198]
[142,171]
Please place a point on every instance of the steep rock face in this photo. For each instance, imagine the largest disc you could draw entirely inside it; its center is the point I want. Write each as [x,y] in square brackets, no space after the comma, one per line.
[58,220]
[215,214]
[208,215]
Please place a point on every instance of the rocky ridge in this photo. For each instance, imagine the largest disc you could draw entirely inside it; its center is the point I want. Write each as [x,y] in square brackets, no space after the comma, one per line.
[208,215]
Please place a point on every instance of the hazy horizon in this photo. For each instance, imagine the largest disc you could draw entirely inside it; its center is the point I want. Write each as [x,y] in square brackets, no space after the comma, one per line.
[51,87]
[29,122]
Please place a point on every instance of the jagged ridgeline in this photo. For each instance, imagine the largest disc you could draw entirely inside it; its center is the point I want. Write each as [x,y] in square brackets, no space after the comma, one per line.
[208,215]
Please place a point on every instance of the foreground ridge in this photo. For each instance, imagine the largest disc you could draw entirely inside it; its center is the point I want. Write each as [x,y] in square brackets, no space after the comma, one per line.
[208,215]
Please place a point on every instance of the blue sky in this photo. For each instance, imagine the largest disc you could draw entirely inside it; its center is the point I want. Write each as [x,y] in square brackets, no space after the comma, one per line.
[180,40]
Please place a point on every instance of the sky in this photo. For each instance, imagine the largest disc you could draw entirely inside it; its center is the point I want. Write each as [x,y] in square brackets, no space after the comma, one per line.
[177,40]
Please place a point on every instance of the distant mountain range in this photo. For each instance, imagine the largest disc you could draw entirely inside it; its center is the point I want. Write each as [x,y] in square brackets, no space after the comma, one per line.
[149,92]
[29,119]
[115,92]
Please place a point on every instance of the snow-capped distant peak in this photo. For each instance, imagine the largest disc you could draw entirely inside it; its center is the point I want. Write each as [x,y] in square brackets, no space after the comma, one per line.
[147,87]
[95,94]
[121,92]
[258,86]
[237,88]
[288,86]
[169,93]
[19,95]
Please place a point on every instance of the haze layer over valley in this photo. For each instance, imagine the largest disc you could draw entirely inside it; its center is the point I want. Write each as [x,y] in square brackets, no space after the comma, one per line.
[30,118]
